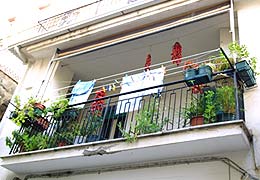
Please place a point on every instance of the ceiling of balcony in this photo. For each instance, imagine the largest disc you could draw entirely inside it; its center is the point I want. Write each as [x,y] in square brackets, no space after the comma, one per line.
[194,37]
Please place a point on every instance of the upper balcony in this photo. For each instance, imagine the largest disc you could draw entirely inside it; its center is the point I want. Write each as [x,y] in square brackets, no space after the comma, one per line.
[104,20]
[199,103]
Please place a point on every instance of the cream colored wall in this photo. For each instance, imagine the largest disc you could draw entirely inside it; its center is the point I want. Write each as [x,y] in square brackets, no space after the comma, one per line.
[62,77]
[28,87]
[248,11]
[187,171]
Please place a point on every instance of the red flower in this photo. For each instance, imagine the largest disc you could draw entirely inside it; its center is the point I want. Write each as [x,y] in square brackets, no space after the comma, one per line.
[197,89]
[190,65]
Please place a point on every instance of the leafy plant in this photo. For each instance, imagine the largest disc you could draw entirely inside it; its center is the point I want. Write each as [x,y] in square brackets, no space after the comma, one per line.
[225,99]
[194,108]
[22,113]
[146,122]
[210,107]
[242,53]
[26,141]
[58,107]
[34,142]
[29,111]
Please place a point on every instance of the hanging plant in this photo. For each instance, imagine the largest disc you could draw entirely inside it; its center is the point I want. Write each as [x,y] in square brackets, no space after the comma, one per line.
[176,53]
[97,106]
[148,62]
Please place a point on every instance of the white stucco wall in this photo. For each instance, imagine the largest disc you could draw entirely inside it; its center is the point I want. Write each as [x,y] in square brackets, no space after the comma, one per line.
[247,12]
[199,171]
[187,171]
[29,86]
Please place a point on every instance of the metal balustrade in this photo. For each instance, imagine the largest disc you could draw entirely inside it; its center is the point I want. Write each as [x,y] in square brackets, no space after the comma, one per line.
[140,113]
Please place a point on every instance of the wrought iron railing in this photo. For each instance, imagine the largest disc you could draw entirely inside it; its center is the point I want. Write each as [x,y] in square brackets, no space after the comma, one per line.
[86,13]
[166,107]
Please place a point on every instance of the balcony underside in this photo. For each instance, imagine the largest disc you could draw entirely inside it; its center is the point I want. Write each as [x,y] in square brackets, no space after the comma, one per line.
[205,140]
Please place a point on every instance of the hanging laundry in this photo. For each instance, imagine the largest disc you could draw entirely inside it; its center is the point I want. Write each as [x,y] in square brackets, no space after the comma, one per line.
[81,92]
[130,102]
[148,62]
[176,53]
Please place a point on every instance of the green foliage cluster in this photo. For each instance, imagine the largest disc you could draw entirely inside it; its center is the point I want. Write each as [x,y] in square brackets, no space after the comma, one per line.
[226,99]
[28,111]
[211,102]
[240,51]
[210,107]
[147,121]
[58,107]
[27,142]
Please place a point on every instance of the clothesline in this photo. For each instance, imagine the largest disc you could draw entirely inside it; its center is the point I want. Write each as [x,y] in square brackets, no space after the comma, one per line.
[115,81]
[102,79]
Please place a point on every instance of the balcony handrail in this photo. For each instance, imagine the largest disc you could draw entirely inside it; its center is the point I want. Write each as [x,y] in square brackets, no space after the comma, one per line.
[148,88]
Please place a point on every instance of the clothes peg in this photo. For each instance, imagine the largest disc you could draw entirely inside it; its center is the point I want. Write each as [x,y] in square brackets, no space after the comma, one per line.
[113,87]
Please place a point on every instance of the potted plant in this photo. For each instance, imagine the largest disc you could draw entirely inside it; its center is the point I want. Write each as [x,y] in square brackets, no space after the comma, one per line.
[27,142]
[245,65]
[146,121]
[221,62]
[194,111]
[30,114]
[225,100]
[190,69]
[196,75]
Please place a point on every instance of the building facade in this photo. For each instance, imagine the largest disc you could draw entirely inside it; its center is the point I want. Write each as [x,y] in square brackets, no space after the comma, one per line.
[134,56]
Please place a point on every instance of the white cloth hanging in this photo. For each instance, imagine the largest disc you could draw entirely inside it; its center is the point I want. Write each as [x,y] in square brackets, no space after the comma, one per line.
[130,102]
[81,92]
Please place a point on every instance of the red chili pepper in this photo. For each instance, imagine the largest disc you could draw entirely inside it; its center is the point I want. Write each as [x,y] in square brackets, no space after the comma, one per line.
[148,62]
[97,106]
[176,53]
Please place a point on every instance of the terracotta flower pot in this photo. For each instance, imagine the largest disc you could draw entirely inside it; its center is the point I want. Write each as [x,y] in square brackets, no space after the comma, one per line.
[198,120]
[40,106]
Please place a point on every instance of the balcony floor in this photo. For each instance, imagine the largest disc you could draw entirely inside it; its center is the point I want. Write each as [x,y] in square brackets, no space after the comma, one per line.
[205,140]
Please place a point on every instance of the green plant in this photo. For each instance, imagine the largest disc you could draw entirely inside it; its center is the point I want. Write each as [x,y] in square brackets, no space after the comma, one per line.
[30,110]
[26,111]
[16,138]
[210,107]
[194,108]
[26,141]
[34,142]
[225,99]
[146,121]
[58,107]
[221,63]
[242,53]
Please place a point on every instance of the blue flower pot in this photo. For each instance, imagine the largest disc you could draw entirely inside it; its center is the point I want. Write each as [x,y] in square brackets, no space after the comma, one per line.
[246,73]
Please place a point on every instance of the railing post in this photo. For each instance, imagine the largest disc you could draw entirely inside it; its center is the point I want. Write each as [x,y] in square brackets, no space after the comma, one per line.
[236,95]
[104,117]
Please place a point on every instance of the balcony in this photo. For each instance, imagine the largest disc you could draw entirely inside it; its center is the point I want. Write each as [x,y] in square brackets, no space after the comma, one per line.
[133,126]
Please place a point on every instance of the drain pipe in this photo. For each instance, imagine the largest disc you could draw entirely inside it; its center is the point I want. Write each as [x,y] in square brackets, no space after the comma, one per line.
[244,174]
